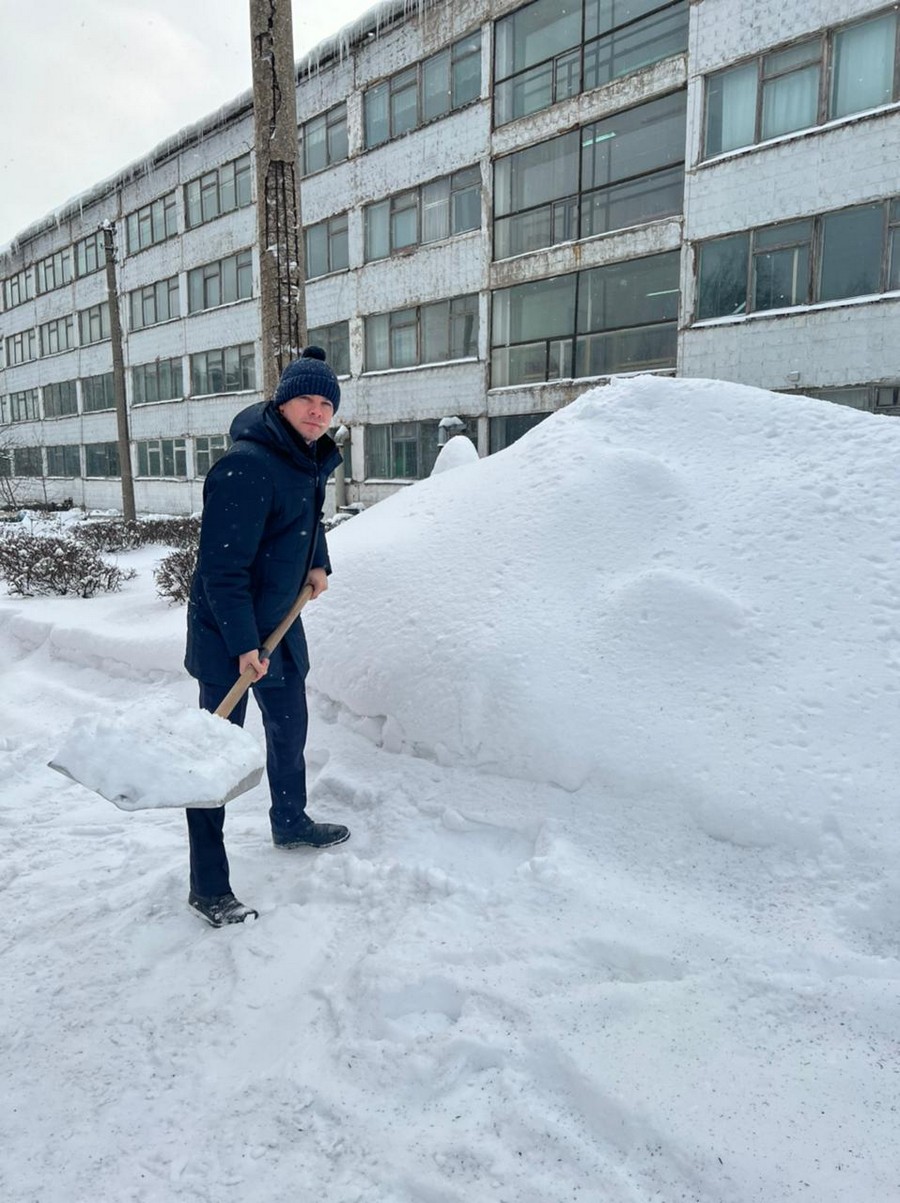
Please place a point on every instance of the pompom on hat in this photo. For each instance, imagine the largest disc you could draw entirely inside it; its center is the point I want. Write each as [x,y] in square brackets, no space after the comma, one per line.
[309,376]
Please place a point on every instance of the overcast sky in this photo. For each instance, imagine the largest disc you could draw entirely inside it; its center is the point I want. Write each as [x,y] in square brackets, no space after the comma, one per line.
[88,86]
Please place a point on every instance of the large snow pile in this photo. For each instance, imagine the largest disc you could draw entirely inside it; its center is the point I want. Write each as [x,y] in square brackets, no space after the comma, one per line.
[675,588]
[613,719]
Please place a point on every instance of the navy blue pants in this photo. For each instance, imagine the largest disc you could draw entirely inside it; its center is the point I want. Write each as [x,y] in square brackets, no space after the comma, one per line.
[285,719]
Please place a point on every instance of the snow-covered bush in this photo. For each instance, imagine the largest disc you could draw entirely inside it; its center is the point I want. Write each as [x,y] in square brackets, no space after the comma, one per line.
[173,574]
[48,564]
[115,534]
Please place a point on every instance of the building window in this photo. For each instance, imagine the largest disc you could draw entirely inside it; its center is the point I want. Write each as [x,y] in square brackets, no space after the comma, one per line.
[158,381]
[64,460]
[616,173]
[154,303]
[21,347]
[28,461]
[218,192]
[782,91]
[327,247]
[208,449]
[101,459]
[427,90]
[151,224]
[447,206]
[401,450]
[18,289]
[335,342]
[93,324]
[849,253]
[98,393]
[162,457]
[325,140]
[54,271]
[547,51]
[506,430]
[229,370]
[24,406]
[60,400]
[618,318]
[436,333]
[90,255]
[58,335]
[221,282]
[874,398]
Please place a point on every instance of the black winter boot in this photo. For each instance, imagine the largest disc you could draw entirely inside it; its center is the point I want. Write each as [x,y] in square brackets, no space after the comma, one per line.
[221,909]
[314,835]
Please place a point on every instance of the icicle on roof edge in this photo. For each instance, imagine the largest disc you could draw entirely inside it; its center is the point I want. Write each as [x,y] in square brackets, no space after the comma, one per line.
[380,19]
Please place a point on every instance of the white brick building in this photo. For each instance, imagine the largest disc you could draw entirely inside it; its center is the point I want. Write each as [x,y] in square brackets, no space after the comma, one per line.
[501,201]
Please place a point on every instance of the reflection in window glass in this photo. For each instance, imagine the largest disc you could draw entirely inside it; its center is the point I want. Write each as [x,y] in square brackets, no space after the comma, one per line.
[851,252]
[722,283]
[781,266]
[731,109]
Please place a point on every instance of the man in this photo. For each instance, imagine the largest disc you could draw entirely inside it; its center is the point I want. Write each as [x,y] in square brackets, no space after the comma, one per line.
[261,540]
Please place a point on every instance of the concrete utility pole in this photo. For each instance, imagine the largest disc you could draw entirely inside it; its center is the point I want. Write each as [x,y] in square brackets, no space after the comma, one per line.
[282,269]
[115,334]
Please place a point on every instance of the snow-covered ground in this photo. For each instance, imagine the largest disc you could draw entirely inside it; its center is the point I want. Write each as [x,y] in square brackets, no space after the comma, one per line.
[613,716]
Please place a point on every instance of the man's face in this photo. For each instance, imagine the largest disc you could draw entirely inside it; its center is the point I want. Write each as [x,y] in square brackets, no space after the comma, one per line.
[309,416]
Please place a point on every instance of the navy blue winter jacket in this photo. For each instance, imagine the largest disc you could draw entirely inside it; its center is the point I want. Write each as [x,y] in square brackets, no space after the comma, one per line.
[261,534]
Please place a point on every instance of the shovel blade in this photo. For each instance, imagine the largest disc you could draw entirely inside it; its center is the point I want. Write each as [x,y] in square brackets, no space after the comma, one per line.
[167,759]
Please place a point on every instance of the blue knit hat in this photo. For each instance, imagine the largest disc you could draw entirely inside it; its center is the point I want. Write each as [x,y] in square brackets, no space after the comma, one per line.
[309,376]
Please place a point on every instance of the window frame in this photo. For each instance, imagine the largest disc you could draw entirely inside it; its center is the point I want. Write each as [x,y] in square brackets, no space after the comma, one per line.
[231,181]
[567,69]
[331,120]
[888,264]
[827,39]
[336,230]
[412,78]
[415,317]
[555,354]
[215,276]
[243,356]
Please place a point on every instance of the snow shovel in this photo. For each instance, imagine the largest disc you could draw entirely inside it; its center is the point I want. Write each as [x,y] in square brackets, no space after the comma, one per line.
[175,757]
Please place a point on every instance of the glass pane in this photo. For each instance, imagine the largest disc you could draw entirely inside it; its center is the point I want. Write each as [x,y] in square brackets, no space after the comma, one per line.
[851,253]
[466,71]
[646,199]
[404,103]
[436,210]
[376,115]
[378,451]
[639,140]
[629,294]
[436,86]
[315,150]
[894,279]
[537,32]
[538,310]
[463,327]
[404,351]
[722,282]
[338,146]
[789,234]
[377,350]
[782,278]
[436,332]
[656,37]
[731,109]
[539,174]
[378,244]
[790,102]
[863,76]
[317,250]
[641,349]
[340,245]
[404,223]
[467,208]
[799,55]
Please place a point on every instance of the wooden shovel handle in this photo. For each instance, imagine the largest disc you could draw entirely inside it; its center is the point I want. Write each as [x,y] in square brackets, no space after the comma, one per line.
[248,676]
